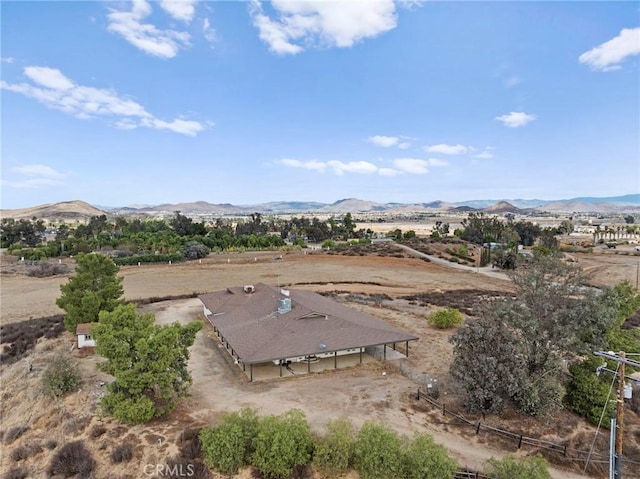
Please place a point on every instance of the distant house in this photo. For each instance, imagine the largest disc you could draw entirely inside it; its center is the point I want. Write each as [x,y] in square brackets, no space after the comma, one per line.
[263,324]
[83,332]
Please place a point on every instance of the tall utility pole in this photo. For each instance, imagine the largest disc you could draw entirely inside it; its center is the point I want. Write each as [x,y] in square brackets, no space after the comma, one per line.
[620,417]
[622,360]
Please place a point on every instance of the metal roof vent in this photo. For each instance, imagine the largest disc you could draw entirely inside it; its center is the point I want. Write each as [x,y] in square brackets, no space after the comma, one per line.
[249,288]
[284,305]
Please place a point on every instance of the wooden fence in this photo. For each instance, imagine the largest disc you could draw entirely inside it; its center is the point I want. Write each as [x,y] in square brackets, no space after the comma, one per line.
[519,439]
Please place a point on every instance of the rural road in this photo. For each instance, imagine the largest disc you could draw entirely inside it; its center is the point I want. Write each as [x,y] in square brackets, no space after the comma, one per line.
[486,270]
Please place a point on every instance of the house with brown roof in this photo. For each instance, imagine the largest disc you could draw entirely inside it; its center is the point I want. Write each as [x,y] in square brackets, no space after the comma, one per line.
[83,332]
[265,324]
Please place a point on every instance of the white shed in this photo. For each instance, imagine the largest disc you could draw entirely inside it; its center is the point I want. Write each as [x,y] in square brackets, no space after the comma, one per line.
[85,340]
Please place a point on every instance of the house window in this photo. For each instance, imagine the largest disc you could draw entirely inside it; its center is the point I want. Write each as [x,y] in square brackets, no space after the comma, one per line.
[87,337]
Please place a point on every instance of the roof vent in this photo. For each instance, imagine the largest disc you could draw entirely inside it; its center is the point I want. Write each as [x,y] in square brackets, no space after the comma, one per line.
[249,288]
[284,292]
[284,305]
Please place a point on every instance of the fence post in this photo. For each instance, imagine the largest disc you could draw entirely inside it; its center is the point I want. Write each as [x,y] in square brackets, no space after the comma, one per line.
[565,451]
[418,396]
[478,428]
[520,442]
[444,409]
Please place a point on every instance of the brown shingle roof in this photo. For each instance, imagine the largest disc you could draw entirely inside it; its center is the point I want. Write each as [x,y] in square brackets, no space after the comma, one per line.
[84,328]
[252,326]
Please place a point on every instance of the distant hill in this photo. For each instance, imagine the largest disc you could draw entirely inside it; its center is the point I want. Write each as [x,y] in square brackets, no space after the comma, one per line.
[80,210]
[501,208]
[67,210]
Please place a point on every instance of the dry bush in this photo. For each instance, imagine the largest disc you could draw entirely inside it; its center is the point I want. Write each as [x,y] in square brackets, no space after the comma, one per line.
[122,453]
[46,269]
[73,459]
[75,426]
[14,433]
[190,444]
[97,431]
[21,337]
[25,451]
[51,444]
[17,473]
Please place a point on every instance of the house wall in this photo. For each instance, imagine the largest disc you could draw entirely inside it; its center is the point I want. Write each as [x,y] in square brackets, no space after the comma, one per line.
[86,341]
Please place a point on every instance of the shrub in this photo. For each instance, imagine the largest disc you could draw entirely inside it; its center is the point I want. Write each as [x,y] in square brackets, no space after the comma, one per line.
[51,444]
[586,393]
[61,376]
[122,453]
[334,450]
[377,452]
[72,459]
[445,318]
[508,468]
[424,459]
[23,452]
[453,259]
[282,444]
[97,431]
[17,473]
[14,433]
[228,446]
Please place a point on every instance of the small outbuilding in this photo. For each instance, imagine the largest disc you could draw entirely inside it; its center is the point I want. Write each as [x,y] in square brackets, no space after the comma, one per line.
[83,332]
[264,324]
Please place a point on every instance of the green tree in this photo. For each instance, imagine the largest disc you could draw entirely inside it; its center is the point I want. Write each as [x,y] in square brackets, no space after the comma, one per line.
[229,446]
[333,451]
[553,317]
[61,376]
[424,459]
[378,452]
[282,444]
[148,362]
[94,288]
[508,467]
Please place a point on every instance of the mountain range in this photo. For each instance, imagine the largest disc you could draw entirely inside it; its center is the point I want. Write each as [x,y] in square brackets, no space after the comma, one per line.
[82,210]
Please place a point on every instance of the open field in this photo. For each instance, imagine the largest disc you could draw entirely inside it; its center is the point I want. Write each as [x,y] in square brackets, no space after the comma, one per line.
[361,393]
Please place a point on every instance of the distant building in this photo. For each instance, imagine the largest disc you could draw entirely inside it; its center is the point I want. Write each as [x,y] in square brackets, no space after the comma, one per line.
[83,332]
[264,324]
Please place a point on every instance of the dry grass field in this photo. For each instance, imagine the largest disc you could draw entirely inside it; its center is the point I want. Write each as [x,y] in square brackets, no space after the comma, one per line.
[361,393]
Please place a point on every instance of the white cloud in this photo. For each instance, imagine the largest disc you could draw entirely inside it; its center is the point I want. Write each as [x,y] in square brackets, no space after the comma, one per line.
[389,172]
[208,32]
[412,165]
[37,175]
[400,166]
[301,24]
[384,141]
[516,119]
[145,36]
[512,81]
[8,59]
[436,162]
[53,89]
[389,141]
[608,55]
[485,155]
[180,9]
[446,149]
[362,167]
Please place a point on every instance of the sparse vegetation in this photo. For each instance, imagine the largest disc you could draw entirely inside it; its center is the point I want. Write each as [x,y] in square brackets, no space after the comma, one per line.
[20,338]
[14,433]
[20,472]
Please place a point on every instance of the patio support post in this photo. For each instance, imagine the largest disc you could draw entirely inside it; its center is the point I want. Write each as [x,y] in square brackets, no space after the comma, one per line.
[335,360]
[407,349]
[385,351]
[251,372]
[360,355]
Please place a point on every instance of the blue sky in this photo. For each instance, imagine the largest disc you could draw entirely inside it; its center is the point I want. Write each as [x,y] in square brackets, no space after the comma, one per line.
[120,103]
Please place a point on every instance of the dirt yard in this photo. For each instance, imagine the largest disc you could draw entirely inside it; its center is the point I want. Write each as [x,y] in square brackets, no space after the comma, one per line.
[374,391]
